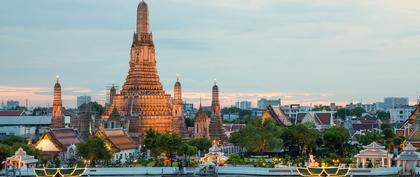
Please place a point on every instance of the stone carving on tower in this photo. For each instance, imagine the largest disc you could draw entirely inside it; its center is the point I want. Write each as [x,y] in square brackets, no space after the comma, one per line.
[57,115]
[177,111]
[142,99]
[216,131]
[201,124]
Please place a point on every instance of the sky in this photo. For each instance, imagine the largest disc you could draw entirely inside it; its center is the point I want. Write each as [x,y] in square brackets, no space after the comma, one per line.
[308,52]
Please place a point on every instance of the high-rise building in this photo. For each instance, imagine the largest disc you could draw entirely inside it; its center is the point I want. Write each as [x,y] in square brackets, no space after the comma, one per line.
[12,104]
[246,105]
[142,98]
[57,115]
[395,102]
[83,100]
[263,103]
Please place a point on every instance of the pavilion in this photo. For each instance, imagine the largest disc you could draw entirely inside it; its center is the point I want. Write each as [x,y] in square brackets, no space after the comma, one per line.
[20,160]
[409,159]
[215,155]
[377,155]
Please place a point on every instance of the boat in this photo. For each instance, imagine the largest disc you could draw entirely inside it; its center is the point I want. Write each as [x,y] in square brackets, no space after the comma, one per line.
[323,171]
[59,172]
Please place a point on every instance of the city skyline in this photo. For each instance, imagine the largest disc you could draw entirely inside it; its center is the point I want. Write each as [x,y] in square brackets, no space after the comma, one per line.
[88,55]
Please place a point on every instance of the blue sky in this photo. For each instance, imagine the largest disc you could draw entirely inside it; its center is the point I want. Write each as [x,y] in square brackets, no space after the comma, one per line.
[316,51]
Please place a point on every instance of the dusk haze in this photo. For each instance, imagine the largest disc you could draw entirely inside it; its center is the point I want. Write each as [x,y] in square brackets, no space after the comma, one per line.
[209,88]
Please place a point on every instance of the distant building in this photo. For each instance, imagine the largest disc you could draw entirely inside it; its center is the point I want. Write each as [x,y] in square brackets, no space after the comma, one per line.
[263,103]
[257,112]
[399,115]
[2,106]
[395,102]
[230,116]
[12,113]
[321,119]
[24,126]
[246,105]
[293,109]
[12,104]
[189,111]
[83,100]
[367,107]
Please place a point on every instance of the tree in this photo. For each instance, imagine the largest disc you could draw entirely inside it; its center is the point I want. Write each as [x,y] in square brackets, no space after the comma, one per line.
[383,115]
[370,137]
[300,139]
[258,138]
[235,159]
[167,143]
[202,144]
[94,106]
[336,138]
[94,150]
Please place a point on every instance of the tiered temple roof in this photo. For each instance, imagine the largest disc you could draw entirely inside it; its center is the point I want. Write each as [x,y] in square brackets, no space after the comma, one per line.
[142,98]
[277,115]
[57,140]
[116,139]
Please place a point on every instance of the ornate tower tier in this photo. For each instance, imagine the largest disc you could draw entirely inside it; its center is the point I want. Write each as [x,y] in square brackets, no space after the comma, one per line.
[216,131]
[142,98]
[57,116]
[177,111]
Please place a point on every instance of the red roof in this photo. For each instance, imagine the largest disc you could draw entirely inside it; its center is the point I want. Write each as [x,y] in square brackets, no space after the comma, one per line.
[65,136]
[323,118]
[11,113]
[300,116]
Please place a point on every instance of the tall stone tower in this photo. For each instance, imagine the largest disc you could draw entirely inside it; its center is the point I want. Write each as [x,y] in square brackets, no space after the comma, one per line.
[216,131]
[201,124]
[142,98]
[177,111]
[57,115]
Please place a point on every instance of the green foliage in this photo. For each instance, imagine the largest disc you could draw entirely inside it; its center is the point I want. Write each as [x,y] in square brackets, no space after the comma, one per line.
[383,115]
[167,143]
[300,139]
[258,137]
[235,159]
[9,145]
[370,137]
[94,150]
[94,106]
[343,112]
[40,111]
[202,144]
[234,110]
[189,122]
[335,138]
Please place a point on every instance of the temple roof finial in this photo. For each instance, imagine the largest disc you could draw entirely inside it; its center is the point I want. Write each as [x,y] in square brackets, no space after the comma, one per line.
[142,18]
[57,77]
[177,77]
[215,81]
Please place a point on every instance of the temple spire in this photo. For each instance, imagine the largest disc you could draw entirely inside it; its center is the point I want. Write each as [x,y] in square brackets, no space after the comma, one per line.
[142,18]
[57,116]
